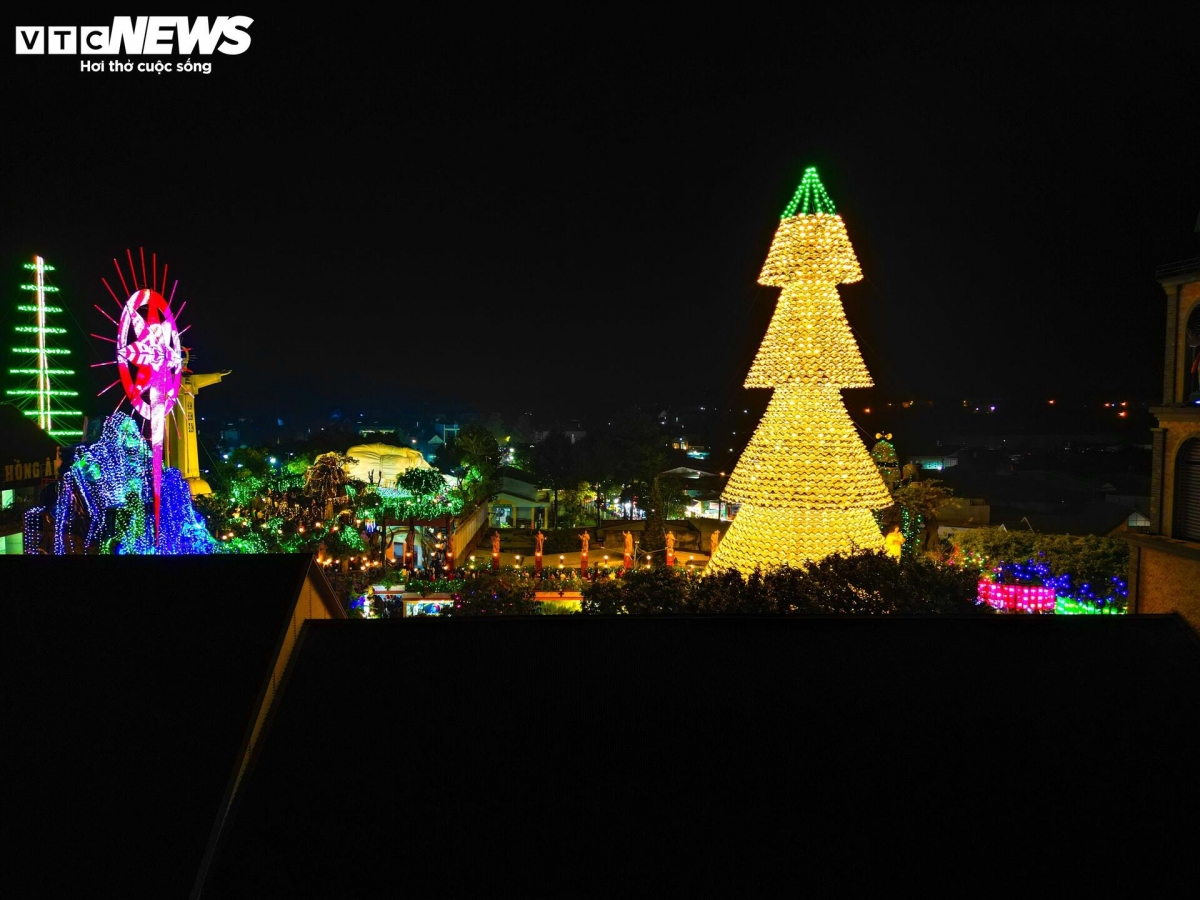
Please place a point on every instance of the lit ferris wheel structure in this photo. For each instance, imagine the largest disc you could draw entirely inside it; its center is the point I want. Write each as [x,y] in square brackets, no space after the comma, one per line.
[148,357]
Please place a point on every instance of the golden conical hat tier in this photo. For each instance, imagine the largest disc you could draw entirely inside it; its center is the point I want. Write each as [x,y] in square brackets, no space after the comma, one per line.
[768,538]
[806,454]
[811,248]
[809,339]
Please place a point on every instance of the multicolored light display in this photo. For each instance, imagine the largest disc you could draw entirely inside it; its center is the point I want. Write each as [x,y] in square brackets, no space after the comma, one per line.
[149,360]
[1066,597]
[109,484]
[1023,597]
[805,483]
[41,384]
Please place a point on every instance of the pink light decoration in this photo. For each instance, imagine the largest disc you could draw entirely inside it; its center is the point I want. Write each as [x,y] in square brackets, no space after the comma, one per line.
[116,299]
[106,315]
[120,275]
[150,362]
[1025,597]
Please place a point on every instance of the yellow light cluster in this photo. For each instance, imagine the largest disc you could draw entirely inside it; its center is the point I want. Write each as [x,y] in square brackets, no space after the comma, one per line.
[809,339]
[767,538]
[811,248]
[805,483]
[805,454]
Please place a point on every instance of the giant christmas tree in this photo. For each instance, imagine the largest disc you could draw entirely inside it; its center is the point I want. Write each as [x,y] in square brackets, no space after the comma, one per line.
[41,386]
[805,483]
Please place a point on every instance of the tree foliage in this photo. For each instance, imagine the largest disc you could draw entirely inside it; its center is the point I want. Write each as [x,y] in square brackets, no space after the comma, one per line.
[861,583]
[922,497]
[493,595]
[654,535]
[326,477]
[1089,559]
[422,482]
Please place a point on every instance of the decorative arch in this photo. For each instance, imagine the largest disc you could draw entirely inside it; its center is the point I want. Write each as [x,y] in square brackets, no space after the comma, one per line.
[1185,524]
[1191,352]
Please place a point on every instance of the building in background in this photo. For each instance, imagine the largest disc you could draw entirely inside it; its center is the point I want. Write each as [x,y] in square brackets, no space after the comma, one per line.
[29,461]
[1164,566]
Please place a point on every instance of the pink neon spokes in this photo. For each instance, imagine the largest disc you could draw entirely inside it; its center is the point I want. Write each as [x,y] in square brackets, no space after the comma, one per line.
[106,315]
[120,275]
[114,293]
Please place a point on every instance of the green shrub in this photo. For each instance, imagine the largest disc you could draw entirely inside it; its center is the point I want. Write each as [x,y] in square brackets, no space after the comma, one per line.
[858,584]
[493,595]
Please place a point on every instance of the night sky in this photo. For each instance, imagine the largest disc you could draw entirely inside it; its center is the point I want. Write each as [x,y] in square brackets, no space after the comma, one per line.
[529,214]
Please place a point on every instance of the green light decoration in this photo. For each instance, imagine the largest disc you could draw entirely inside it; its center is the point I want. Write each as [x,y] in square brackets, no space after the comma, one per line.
[130,526]
[39,386]
[810,197]
[1069,606]
[912,526]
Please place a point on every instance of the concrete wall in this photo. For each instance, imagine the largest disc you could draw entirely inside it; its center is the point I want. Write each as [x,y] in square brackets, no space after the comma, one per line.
[1166,582]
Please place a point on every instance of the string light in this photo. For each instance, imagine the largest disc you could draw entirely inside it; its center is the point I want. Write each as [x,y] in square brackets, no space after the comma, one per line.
[812,248]
[32,532]
[39,392]
[114,474]
[810,196]
[805,454]
[1064,596]
[809,339]
[1027,598]
[805,484]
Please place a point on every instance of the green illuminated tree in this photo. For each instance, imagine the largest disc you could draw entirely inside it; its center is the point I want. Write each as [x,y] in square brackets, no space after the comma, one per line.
[481,451]
[915,511]
[40,361]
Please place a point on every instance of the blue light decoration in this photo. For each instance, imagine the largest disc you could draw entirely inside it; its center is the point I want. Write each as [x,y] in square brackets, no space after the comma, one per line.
[1070,598]
[183,532]
[109,484]
[31,535]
